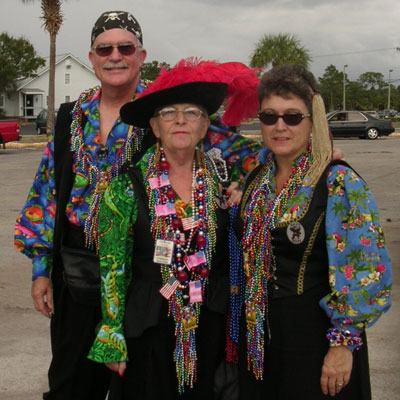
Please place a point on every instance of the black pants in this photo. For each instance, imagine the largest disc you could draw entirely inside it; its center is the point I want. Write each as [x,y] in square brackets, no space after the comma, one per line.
[72,376]
[150,373]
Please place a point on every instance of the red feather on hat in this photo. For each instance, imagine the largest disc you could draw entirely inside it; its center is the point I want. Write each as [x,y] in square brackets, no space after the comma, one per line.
[241,100]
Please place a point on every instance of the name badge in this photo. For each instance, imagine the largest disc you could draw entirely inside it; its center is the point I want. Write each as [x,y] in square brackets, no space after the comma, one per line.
[163,251]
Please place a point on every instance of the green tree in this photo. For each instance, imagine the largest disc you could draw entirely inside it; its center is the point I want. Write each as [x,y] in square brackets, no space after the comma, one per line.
[279,49]
[395,97]
[150,70]
[375,90]
[356,96]
[53,19]
[331,87]
[18,59]
[372,80]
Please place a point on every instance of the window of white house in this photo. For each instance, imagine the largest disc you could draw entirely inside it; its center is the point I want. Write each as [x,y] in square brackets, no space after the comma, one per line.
[67,79]
[67,99]
[2,101]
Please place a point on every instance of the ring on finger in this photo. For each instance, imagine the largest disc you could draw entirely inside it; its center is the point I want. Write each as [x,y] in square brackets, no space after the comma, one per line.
[340,384]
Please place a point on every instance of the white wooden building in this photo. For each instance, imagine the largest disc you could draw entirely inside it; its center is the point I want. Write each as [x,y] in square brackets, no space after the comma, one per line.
[71,78]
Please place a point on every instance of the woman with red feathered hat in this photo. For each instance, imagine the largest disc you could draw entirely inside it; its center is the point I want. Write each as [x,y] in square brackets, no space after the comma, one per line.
[164,238]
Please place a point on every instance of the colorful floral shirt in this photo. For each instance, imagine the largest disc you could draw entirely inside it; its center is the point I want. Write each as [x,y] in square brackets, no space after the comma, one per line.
[34,229]
[359,266]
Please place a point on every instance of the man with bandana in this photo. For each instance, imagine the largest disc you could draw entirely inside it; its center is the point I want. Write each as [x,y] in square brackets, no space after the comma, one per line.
[57,224]
[57,227]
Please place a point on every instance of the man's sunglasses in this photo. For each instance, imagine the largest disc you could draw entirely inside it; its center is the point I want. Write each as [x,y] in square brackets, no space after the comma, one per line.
[125,49]
[291,119]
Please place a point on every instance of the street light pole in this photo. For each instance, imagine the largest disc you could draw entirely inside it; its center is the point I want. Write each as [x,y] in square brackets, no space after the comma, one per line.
[344,86]
[390,70]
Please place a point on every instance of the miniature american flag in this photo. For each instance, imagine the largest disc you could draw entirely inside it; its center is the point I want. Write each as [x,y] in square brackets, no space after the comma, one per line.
[165,209]
[169,288]
[196,259]
[189,223]
[158,182]
[195,292]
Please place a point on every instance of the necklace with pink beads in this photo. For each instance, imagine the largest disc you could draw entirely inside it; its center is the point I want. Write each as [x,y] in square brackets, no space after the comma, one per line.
[187,243]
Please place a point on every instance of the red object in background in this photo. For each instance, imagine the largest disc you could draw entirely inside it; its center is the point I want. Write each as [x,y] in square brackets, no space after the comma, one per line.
[9,132]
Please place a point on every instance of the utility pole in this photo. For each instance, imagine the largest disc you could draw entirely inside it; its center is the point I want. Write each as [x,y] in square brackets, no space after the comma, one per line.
[344,87]
[388,105]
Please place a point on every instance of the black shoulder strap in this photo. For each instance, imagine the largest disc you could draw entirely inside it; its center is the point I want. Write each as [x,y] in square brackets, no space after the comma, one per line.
[62,143]
[136,177]
[63,174]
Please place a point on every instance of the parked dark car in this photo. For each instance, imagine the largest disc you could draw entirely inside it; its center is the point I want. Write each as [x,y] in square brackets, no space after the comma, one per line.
[387,113]
[358,123]
[41,121]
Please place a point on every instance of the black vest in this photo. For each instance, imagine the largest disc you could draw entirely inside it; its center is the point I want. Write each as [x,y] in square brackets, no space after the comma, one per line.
[300,268]
[303,268]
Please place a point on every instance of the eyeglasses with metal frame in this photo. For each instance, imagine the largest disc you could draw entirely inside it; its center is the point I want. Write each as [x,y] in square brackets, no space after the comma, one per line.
[171,113]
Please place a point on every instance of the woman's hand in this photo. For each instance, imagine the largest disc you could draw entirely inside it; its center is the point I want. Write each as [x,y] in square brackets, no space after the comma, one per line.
[118,367]
[232,193]
[336,370]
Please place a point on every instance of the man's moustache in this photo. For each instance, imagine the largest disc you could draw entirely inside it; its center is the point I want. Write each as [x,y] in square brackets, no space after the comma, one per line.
[115,65]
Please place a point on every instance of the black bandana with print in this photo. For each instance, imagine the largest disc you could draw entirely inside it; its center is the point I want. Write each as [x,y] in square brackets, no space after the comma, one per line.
[116,19]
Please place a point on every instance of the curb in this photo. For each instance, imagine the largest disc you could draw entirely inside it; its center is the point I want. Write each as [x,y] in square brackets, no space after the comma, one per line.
[17,145]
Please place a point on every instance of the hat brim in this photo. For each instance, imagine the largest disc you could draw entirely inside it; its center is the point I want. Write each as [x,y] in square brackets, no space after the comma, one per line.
[208,95]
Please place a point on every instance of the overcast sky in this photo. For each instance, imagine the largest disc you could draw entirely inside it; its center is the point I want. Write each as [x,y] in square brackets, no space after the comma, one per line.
[363,34]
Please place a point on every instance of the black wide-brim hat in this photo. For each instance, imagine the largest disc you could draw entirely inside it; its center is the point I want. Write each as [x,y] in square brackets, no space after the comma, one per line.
[208,95]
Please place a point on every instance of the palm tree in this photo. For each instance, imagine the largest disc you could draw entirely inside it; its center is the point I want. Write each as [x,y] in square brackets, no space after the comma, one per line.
[278,50]
[53,19]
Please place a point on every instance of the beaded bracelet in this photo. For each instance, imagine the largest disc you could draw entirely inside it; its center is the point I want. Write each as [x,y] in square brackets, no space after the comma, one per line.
[337,337]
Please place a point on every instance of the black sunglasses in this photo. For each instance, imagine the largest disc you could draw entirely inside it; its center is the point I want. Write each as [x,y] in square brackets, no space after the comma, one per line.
[125,49]
[291,119]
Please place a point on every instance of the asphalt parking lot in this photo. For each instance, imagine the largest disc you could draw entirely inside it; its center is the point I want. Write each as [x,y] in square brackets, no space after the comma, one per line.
[24,333]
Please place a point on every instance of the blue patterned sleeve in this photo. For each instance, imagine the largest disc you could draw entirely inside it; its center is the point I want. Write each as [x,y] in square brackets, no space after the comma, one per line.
[34,228]
[237,150]
[359,266]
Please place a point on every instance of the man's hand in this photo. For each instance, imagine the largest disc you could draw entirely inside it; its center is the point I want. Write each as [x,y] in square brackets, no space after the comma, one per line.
[336,370]
[337,154]
[42,295]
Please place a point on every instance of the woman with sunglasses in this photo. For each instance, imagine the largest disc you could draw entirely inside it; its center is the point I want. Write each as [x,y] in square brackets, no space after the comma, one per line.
[316,271]
[164,239]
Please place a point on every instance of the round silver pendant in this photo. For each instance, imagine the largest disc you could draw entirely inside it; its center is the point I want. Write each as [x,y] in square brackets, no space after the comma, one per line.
[295,232]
